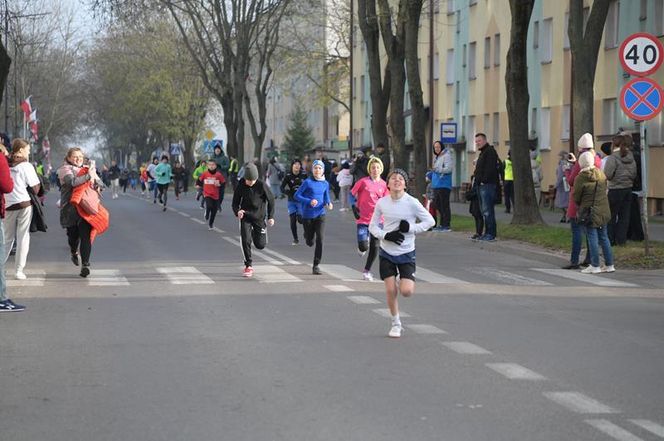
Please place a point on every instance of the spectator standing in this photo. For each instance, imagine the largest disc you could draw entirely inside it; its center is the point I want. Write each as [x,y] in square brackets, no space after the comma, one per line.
[508,183]
[620,170]
[441,183]
[562,187]
[486,174]
[275,175]
[114,178]
[6,186]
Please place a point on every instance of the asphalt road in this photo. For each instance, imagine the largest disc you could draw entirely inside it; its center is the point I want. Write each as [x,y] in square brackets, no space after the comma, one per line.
[166,341]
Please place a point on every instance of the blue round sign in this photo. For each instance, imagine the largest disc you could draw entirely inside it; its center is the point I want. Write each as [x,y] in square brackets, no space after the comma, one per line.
[641,99]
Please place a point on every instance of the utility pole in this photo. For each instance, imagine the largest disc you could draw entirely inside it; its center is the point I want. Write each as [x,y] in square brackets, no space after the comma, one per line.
[352,41]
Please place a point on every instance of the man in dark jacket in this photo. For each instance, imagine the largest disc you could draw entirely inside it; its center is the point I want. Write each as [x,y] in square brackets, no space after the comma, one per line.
[384,156]
[486,176]
[6,186]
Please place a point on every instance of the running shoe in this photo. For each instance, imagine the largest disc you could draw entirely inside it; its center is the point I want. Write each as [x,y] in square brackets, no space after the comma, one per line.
[74,258]
[210,228]
[361,253]
[591,270]
[9,306]
[85,271]
[609,269]
[316,271]
[248,271]
[366,275]
[20,275]
[164,209]
[395,330]
[295,242]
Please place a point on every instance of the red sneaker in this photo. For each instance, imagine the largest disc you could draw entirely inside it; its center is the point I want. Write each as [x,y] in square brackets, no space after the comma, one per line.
[248,272]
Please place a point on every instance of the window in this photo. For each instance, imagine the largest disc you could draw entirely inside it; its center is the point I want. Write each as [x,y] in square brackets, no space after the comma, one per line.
[564,119]
[470,134]
[363,91]
[486,128]
[487,52]
[471,60]
[449,67]
[496,129]
[545,129]
[436,6]
[609,116]
[450,7]
[436,66]
[547,41]
[611,26]
[496,50]
[464,56]
[536,35]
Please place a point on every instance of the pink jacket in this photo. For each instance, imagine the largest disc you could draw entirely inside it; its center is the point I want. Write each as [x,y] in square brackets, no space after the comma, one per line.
[367,193]
[570,175]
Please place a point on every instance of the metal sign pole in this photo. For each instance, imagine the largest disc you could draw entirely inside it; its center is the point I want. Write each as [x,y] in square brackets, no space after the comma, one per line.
[644,183]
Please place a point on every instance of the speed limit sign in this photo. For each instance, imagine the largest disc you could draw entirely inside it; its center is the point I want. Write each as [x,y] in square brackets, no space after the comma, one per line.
[641,54]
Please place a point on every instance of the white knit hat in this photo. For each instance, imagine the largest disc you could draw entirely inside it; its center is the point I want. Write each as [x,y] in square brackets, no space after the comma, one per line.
[587,160]
[586,142]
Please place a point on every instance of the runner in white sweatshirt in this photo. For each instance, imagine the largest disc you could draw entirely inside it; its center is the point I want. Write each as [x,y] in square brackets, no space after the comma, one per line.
[403,216]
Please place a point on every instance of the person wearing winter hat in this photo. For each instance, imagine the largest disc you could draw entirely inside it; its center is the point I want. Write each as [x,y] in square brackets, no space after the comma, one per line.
[314,194]
[367,191]
[441,183]
[590,194]
[395,221]
[250,199]
[289,186]
[585,144]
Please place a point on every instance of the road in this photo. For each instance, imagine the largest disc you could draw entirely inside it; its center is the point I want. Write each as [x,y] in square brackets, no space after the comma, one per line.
[166,341]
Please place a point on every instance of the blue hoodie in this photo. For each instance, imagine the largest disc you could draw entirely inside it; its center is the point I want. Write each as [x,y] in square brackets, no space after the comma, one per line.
[313,189]
[442,170]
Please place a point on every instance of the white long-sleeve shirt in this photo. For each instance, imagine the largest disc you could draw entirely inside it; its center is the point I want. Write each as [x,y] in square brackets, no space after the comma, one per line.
[393,212]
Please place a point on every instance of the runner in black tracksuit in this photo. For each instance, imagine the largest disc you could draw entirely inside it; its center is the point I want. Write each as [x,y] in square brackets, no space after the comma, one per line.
[249,200]
[289,186]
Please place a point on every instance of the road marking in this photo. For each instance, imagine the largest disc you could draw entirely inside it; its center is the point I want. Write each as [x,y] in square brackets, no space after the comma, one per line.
[342,272]
[514,371]
[183,214]
[286,259]
[425,329]
[588,278]
[253,252]
[614,431]
[107,277]
[650,426]
[465,347]
[386,313]
[198,221]
[429,276]
[339,288]
[273,274]
[363,300]
[185,275]
[579,403]
[507,277]
[35,278]
[218,230]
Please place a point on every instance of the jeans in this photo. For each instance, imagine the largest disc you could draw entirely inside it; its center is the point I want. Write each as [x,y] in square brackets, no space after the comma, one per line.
[3,281]
[598,237]
[487,203]
[620,201]
[577,238]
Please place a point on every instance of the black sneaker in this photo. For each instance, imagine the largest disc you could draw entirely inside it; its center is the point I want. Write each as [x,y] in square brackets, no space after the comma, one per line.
[572,266]
[316,270]
[74,258]
[9,306]
[164,209]
[85,271]
[475,237]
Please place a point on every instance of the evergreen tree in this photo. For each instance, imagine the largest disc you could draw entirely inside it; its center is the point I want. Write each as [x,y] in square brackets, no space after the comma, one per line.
[299,137]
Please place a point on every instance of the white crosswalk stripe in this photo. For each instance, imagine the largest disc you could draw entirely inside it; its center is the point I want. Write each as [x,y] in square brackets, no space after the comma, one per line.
[273,274]
[185,275]
[386,313]
[338,288]
[514,371]
[342,272]
[579,403]
[107,277]
[613,430]
[35,278]
[429,276]
[650,426]
[507,277]
[586,278]
[363,300]
[425,329]
[465,348]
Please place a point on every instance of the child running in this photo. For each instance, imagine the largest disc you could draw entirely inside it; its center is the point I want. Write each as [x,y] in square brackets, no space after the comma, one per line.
[249,200]
[210,181]
[367,191]
[289,186]
[314,194]
[163,175]
[399,212]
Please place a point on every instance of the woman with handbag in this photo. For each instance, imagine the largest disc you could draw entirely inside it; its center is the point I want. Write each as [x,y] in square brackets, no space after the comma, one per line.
[18,214]
[590,194]
[73,174]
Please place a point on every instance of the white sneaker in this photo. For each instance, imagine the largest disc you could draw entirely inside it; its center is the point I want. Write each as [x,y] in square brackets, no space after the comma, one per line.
[20,275]
[366,275]
[361,253]
[609,269]
[395,331]
[591,270]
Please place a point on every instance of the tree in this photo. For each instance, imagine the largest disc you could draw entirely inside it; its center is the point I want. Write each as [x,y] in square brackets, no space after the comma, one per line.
[584,46]
[526,210]
[299,137]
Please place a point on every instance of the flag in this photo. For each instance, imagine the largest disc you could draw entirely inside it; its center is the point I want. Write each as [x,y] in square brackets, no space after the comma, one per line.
[26,105]
[33,116]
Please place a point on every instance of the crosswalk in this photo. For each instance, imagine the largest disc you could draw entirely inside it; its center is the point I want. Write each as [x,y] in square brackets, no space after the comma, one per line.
[278,270]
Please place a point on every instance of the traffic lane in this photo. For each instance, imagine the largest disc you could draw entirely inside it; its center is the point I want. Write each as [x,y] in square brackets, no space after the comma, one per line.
[252,367]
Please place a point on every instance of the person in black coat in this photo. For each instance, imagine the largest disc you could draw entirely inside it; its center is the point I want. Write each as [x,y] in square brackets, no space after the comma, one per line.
[487,178]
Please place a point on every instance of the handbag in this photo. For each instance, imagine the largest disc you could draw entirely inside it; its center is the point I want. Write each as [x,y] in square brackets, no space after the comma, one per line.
[585,216]
[38,221]
[90,201]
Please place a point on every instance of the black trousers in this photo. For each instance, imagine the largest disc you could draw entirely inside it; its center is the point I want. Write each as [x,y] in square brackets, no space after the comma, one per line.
[315,229]
[293,225]
[508,188]
[252,231]
[211,206]
[79,238]
[163,193]
[441,199]
[620,202]
[372,246]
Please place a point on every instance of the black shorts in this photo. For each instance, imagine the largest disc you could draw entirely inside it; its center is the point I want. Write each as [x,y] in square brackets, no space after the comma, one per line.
[391,269]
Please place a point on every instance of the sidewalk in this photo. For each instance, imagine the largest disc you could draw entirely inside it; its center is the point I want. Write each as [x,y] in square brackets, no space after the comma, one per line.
[552,218]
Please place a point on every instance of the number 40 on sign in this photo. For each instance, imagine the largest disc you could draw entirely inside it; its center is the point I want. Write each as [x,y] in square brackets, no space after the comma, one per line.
[641,54]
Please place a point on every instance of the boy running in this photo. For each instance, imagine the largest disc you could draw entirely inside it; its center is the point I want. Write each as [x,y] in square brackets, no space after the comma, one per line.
[152,182]
[249,200]
[367,191]
[163,175]
[314,194]
[399,212]
[210,181]
[289,186]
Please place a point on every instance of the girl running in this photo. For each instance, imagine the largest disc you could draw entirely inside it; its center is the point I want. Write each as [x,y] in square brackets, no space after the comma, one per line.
[163,177]
[289,186]
[211,181]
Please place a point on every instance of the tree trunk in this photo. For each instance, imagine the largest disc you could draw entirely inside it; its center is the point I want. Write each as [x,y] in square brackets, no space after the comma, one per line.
[378,89]
[584,47]
[419,122]
[526,209]
[5,64]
